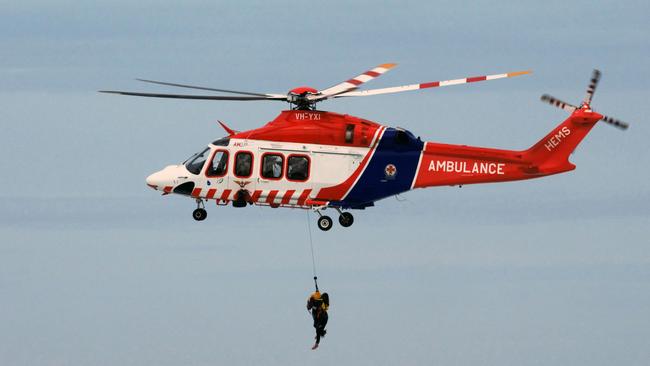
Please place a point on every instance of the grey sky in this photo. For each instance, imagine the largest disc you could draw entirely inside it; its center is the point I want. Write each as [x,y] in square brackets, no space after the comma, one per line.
[97,269]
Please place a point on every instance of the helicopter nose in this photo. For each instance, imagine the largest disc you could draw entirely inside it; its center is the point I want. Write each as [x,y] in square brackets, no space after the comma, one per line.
[163,180]
[155,181]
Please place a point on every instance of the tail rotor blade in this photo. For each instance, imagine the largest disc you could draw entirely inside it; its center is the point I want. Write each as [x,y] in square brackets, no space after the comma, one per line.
[615,122]
[595,77]
[558,103]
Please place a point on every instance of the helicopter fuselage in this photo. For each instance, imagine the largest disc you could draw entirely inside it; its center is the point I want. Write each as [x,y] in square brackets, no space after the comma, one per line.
[318,159]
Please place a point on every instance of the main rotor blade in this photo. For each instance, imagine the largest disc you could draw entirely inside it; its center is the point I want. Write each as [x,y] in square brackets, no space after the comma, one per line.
[433,84]
[558,103]
[185,96]
[353,83]
[595,77]
[615,122]
[202,88]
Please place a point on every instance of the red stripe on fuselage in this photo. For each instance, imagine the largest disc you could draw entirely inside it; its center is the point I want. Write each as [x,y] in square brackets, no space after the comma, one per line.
[271,196]
[226,194]
[303,197]
[196,192]
[211,193]
[256,195]
[287,196]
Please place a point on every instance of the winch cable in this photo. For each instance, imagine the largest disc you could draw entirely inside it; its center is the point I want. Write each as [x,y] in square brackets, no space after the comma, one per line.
[311,246]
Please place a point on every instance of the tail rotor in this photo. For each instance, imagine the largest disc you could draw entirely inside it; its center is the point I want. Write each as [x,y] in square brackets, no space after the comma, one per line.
[586,103]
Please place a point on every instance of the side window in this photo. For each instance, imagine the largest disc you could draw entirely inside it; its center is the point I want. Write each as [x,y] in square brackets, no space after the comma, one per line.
[243,164]
[298,167]
[272,165]
[349,134]
[224,141]
[219,164]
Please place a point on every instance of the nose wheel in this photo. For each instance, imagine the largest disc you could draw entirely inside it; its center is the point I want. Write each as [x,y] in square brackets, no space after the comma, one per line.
[324,223]
[200,213]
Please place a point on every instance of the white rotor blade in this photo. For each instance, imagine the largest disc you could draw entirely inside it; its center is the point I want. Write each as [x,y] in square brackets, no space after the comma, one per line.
[434,84]
[352,83]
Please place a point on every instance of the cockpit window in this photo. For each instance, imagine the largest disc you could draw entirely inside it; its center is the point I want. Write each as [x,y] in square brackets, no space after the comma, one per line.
[224,141]
[195,163]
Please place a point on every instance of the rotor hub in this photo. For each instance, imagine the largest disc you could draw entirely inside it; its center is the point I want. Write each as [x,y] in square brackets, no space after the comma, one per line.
[298,97]
[303,90]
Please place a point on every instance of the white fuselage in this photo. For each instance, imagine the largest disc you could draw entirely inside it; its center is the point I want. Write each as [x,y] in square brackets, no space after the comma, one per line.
[328,166]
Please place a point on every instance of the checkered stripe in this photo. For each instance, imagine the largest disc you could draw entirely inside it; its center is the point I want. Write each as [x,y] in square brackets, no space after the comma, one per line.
[288,197]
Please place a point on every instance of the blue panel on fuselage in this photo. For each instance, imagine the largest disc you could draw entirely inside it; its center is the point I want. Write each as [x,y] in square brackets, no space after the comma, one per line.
[403,152]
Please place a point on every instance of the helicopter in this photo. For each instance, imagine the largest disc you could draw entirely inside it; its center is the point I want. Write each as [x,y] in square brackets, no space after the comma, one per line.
[313,159]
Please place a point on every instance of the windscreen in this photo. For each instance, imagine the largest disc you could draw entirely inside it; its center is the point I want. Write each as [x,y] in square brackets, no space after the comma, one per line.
[195,163]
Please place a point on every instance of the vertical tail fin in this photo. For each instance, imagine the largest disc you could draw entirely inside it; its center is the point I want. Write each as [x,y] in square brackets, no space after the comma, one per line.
[551,153]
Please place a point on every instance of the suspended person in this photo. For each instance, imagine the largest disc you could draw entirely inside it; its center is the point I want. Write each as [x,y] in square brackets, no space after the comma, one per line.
[318,305]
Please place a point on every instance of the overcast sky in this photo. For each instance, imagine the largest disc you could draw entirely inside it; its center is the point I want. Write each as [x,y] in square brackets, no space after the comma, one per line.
[98,269]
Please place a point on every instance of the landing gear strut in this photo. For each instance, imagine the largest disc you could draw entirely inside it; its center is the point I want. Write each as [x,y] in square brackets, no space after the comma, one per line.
[200,213]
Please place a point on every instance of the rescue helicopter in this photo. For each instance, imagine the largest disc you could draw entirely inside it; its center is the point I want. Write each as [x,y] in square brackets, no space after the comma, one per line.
[313,159]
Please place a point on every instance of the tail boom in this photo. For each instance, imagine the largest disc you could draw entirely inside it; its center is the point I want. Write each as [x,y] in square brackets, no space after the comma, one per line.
[443,164]
[551,153]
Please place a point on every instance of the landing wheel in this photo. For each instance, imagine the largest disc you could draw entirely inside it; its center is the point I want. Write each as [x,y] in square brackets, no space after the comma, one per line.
[200,214]
[346,219]
[324,223]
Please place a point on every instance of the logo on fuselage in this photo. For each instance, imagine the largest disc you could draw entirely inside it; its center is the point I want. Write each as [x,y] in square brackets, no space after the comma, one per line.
[306,116]
[557,138]
[390,171]
[241,183]
[465,167]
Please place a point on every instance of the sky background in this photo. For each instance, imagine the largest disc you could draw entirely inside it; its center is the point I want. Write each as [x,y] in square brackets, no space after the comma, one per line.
[98,269]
